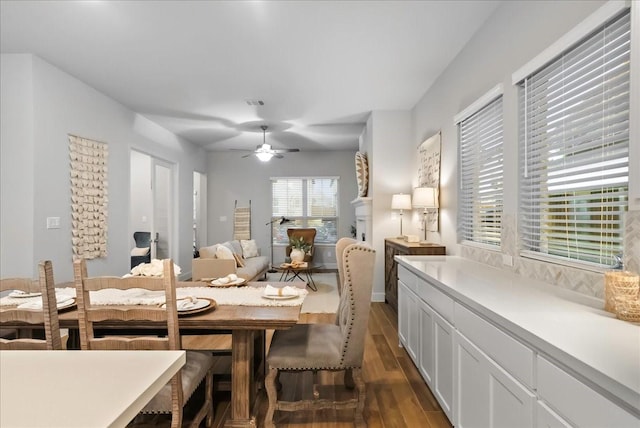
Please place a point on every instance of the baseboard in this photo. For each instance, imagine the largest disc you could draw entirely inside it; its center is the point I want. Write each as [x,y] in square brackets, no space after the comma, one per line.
[377,297]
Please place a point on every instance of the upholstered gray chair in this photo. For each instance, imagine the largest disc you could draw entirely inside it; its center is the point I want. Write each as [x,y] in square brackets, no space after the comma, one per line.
[330,347]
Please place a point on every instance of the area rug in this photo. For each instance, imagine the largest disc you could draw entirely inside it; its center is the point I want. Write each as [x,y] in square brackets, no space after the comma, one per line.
[325,300]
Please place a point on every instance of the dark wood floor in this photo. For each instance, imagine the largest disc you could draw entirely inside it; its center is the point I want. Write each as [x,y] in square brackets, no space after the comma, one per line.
[396,394]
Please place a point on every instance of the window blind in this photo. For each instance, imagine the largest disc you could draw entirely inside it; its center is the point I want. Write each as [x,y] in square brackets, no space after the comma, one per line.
[574,144]
[287,197]
[481,175]
[306,202]
[322,197]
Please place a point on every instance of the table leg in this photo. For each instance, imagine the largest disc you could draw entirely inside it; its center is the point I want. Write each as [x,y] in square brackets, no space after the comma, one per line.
[241,379]
[310,282]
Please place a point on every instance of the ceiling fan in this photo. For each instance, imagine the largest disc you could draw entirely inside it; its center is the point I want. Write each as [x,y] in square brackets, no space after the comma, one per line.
[265,152]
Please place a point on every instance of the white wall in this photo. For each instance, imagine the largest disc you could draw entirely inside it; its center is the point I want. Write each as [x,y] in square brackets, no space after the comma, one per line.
[514,34]
[232,178]
[16,166]
[388,138]
[59,105]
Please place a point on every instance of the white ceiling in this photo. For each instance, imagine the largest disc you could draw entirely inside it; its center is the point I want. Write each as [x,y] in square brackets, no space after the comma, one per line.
[319,66]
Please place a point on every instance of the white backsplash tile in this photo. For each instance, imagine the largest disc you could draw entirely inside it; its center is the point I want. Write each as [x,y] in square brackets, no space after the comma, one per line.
[579,280]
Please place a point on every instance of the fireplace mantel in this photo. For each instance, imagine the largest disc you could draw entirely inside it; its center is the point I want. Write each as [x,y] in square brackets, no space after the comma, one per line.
[364,228]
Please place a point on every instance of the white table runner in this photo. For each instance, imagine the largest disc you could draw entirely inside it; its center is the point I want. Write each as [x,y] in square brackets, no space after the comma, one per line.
[239,296]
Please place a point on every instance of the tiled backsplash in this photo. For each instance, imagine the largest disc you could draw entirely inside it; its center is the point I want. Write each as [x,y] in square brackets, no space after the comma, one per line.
[582,281]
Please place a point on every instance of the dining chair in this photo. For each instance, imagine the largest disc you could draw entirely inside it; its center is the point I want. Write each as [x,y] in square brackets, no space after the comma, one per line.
[47,317]
[199,366]
[328,347]
[340,246]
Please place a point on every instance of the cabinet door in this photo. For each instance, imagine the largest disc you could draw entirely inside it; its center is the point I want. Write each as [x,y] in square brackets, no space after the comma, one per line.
[403,313]
[426,354]
[547,418]
[408,327]
[488,396]
[443,364]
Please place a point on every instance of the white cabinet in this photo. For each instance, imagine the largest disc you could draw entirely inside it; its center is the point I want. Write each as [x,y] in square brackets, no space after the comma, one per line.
[427,355]
[576,402]
[443,385]
[435,356]
[408,327]
[486,395]
[547,418]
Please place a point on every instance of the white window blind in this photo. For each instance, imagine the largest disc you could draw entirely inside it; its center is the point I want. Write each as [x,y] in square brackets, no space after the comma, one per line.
[481,175]
[306,202]
[574,143]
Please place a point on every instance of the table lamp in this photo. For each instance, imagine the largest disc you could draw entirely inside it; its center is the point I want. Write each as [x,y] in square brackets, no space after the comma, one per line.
[425,198]
[401,201]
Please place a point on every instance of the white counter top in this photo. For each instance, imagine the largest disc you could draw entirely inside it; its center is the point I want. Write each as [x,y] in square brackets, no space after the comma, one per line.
[81,388]
[568,327]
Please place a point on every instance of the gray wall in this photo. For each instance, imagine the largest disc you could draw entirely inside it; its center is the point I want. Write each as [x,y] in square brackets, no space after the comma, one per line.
[41,104]
[231,178]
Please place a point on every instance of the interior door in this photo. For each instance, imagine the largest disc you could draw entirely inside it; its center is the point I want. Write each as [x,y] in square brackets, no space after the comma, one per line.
[161,220]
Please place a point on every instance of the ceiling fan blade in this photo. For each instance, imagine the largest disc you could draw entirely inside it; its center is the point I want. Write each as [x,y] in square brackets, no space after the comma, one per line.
[247,155]
[285,150]
[278,156]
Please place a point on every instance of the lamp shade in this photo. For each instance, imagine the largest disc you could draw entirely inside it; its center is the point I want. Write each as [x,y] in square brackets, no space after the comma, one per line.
[424,197]
[401,201]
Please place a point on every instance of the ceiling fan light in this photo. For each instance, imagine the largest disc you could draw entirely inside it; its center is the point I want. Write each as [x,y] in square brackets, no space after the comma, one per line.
[264,157]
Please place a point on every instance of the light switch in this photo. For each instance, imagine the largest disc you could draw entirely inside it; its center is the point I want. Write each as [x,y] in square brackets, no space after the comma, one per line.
[53,222]
[507,260]
[223,218]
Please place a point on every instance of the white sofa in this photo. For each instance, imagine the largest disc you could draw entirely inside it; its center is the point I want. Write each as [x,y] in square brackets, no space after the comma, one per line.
[247,263]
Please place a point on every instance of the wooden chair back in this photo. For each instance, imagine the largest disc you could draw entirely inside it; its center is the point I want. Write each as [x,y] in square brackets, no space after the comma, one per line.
[91,315]
[47,317]
[309,236]
[164,317]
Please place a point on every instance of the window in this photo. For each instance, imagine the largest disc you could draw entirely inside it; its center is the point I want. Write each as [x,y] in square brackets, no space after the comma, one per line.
[481,170]
[306,202]
[574,149]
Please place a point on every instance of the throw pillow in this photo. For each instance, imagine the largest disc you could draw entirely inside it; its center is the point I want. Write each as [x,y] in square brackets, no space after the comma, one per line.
[236,247]
[140,251]
[208,252]
[224,253]
[239,260]
[249,248]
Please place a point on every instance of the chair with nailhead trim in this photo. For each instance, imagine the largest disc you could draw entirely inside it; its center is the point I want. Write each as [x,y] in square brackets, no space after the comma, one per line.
[328,347]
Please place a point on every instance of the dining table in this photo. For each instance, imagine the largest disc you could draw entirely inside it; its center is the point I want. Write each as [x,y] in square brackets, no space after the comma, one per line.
[80,389]
[247,325]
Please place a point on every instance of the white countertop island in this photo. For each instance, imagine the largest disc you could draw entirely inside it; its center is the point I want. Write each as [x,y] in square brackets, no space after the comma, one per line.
[81,388]
[565,326]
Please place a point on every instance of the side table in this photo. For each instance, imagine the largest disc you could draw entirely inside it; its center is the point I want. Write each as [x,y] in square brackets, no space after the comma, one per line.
[399,247]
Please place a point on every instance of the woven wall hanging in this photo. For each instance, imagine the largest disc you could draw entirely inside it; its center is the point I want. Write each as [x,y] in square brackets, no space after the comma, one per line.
[89,197]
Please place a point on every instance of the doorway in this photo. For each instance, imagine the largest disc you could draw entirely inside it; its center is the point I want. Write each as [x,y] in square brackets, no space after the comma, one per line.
[151,202]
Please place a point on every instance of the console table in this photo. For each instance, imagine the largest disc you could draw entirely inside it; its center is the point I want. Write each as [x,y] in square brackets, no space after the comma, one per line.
[399,247]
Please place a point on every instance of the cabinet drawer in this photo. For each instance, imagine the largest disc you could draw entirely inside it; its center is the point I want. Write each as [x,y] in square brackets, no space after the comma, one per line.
[576,402]
[407,277]
[439,301]
[512,355]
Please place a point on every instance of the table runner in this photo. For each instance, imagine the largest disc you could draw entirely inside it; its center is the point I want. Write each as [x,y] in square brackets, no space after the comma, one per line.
[239,296]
